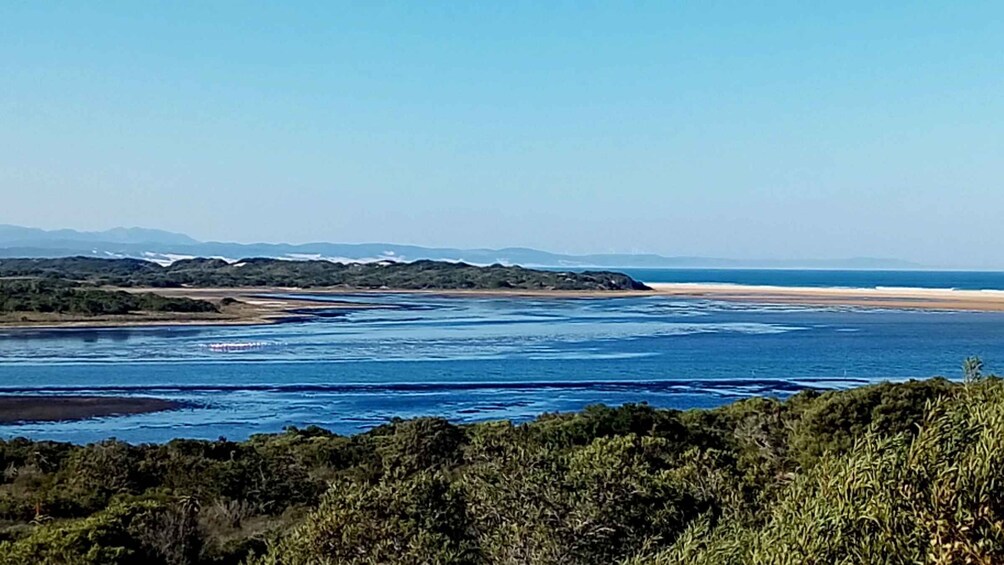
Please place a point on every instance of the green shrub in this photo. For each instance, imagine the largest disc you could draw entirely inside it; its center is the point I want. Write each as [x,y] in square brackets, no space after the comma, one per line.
[416,520]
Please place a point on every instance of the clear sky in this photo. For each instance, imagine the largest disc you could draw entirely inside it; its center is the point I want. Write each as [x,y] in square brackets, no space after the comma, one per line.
[731,129]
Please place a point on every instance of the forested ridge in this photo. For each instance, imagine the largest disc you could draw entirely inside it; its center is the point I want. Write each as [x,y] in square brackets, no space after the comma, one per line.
[307,274]
[890,473]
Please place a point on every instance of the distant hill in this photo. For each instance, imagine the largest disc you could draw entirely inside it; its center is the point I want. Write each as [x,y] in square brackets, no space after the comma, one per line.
[165,247]
[18,236]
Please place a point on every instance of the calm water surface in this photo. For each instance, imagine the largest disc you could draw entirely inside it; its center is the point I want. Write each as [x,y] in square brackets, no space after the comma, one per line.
[474,359]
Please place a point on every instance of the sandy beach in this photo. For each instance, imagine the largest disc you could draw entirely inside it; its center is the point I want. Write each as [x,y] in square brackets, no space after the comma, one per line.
[894,298]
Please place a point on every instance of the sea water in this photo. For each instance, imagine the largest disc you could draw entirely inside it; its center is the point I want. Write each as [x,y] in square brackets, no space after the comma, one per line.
[959,280]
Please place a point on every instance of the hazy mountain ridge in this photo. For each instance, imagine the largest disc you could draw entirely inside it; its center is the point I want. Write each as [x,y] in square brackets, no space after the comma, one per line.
[164,246]
[20,236]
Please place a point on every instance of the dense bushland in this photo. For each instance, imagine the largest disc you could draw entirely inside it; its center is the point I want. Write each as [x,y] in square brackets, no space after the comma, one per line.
[62,297]
[306,274]
[891,473]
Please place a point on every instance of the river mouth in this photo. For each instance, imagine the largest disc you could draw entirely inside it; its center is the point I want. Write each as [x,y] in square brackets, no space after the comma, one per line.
[468,359]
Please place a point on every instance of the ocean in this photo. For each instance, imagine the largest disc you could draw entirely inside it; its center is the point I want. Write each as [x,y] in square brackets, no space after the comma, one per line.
[476,358]
[959,280]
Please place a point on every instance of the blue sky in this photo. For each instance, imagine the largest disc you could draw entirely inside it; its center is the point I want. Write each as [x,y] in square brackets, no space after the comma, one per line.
[746,130]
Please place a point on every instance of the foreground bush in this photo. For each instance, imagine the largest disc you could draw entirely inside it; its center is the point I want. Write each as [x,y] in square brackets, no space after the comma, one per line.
[928,496]
[142,532]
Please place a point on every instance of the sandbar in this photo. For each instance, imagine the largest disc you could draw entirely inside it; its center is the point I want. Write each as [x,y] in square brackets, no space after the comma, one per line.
[17,408]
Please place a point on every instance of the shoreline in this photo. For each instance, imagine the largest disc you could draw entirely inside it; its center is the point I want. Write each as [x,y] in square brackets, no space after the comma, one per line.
[932,299]
[253,309]
[257,306]
[26,409]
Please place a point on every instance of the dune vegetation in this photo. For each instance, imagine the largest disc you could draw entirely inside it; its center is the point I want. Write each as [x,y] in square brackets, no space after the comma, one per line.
[54,296]
[261,272]
[891,473]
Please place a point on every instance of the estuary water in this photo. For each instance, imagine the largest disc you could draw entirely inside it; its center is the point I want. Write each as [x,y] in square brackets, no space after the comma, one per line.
[473,358]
